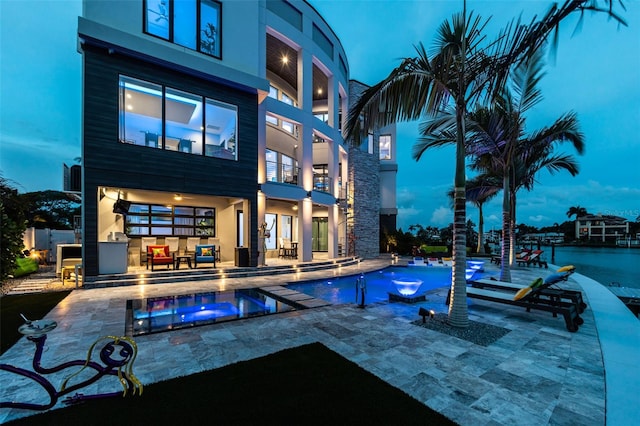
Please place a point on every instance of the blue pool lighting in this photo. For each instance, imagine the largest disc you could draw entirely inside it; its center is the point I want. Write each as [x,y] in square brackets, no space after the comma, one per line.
[156,314]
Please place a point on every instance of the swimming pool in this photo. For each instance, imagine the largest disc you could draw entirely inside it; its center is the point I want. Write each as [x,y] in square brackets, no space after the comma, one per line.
[395,279]
[156,314]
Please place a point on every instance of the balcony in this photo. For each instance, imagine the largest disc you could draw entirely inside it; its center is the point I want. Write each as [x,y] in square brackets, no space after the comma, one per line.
[282,173]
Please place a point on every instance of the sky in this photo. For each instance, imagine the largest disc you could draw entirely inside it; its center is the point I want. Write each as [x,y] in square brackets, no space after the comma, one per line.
[595,73]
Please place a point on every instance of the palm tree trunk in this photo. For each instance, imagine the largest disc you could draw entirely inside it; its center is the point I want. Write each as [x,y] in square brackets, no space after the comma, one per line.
[512,230]
[458,311]
[505,270]
[480,247]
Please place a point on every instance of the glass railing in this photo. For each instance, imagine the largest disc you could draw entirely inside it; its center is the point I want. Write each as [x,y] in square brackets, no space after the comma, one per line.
[321,183]
[282,173]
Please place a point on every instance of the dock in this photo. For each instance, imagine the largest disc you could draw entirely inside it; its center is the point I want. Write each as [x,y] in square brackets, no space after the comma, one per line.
[629,296]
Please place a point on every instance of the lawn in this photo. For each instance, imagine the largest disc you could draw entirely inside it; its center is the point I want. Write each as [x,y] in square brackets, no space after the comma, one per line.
[33,306]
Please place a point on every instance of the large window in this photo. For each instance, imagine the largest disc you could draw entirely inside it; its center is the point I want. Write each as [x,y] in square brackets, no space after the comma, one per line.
[221,130]
[183,122]
[161,220]
[140,112]
[177,22]
[163,117]
[385,147]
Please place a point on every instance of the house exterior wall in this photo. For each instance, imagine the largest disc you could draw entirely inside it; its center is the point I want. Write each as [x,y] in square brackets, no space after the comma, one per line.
[113,43]
[107,162]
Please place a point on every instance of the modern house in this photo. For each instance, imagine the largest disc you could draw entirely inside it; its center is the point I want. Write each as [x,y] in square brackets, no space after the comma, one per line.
[221,122]
[601,228]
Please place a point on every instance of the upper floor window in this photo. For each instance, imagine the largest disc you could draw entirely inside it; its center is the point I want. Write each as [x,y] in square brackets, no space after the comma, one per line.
[273,92]
[385,147]
[287,99]
[177,22]
[166,118]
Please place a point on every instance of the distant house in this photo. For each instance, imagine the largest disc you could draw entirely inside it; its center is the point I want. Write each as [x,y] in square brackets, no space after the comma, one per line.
[601,228]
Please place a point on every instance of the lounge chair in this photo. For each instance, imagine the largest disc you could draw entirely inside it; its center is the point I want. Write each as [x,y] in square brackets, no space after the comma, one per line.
[567,309]
[447,261]
[544,290]
[417,261]
[434,261]
[570,310]
[532,259]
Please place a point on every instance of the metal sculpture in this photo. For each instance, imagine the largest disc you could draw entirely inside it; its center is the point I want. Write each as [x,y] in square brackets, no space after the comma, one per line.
[117,356]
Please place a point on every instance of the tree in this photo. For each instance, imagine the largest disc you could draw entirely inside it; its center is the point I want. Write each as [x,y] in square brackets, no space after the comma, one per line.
[479,190]
[500,146]
[12,227]
[577,211]
[456,76]
[50,209]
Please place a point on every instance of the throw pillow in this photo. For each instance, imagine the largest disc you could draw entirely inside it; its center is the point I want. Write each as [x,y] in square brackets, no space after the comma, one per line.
[158,252]
[207,251]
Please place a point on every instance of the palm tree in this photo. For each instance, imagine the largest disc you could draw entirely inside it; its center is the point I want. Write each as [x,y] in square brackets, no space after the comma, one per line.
[458,73]
[479,190]
[498,142]
[578,211]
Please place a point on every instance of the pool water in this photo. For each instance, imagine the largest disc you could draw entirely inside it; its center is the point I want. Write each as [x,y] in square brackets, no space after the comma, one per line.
[156,314]
[395,279]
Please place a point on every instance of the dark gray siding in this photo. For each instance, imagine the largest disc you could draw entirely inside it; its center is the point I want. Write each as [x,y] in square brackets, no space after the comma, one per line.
[107,162]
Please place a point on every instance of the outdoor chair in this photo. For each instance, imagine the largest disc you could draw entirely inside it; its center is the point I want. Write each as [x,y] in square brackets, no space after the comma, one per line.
[532,259]
[192,242]
[144,243]
[159,255]
[205,253]
[215,242]
[544,290]
[173,243]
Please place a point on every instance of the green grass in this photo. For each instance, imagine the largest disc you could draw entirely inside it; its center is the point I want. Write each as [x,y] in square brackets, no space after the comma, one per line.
[306,385]
[33,306]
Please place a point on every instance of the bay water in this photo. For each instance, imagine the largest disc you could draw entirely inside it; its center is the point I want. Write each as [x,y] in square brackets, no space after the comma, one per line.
[603,264]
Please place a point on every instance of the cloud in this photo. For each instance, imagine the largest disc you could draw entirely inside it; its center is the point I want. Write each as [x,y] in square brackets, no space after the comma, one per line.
[538,218]
[442,216]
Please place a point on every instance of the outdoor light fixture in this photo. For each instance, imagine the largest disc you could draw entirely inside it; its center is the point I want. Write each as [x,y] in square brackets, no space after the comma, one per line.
[177,197]
[285,60]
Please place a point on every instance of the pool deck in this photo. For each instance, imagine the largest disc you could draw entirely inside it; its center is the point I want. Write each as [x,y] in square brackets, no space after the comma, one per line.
[538,373]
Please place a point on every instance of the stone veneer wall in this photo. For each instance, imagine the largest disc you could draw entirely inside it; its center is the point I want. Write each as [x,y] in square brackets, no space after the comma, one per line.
[365,207]
[364,191]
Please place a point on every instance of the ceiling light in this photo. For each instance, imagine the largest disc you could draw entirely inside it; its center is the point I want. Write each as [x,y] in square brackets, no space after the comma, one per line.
[320,91]
[285,60]
[129,107]
[177,197]
[295,207]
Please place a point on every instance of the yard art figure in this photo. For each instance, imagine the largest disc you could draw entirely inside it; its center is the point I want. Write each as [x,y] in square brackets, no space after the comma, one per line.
[117,356]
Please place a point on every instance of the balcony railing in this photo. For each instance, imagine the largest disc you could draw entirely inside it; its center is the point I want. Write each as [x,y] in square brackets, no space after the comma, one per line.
[321,182]
[282,173]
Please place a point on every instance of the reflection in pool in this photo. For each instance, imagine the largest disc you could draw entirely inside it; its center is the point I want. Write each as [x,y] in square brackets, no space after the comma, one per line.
[379,284]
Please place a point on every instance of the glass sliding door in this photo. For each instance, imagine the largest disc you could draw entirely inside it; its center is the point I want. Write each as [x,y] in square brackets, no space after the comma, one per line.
[320,234]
